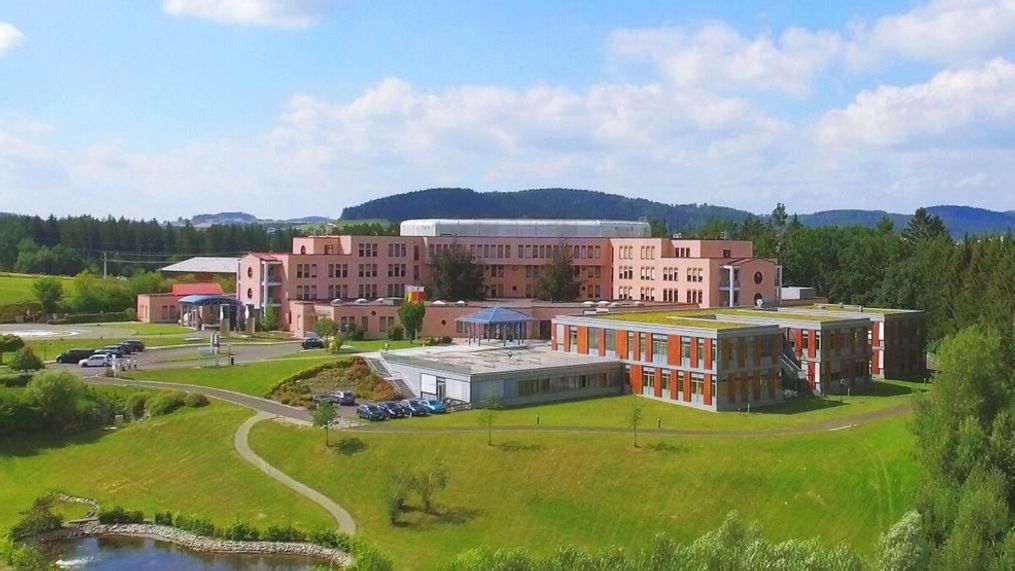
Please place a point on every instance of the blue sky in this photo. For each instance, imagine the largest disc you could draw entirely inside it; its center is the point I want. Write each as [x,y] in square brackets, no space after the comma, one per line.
[286,108]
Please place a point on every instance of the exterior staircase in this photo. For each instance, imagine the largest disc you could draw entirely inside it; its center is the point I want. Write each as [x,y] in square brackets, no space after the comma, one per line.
[794,373]
[380,368]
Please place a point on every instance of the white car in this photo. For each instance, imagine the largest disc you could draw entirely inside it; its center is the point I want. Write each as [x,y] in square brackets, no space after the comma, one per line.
[97,360]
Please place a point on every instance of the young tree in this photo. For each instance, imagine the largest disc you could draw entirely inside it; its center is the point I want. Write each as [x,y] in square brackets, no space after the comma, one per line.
[326,327]
[486,416]
[558,280]
[454,275]
[48,291]
[9,343]
[428,482]
[322,417]
[26,360]
[337,340]
[58,394]
[411,314]
[634,417]
[269,319]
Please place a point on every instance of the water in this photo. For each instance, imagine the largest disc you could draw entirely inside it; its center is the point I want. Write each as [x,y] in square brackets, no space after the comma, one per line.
[122,553]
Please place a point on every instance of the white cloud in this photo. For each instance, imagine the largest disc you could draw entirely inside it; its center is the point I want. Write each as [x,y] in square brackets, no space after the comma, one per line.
[944,31]
[9,37]
[285,14]
[716,56]
[973,105]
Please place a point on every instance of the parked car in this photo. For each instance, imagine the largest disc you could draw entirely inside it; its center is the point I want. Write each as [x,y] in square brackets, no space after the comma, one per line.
[114,350]
[313,343]
[96,360]
[434,406]
[343,398]
[394,409]
[74,355]
[371,412]
[136,345]
[415,407]
[127,349]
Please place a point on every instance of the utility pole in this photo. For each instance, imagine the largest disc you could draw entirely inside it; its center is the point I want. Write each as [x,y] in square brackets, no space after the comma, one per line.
[105,264]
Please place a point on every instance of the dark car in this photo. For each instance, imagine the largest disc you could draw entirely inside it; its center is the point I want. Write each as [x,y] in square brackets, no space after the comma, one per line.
[74,355]
[343,398]
[394,409]
[371,412]
[313,343]
[127,349]
[136,345]
[114,350]
[415,407]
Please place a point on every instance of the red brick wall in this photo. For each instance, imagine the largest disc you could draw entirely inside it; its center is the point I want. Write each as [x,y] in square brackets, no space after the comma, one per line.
[620,339]
[708,352]
[694,351]
[673,348]
[674,379]
[602,342]
[708,387]
[636,378]
[687,386]
[583,340]
[658,389]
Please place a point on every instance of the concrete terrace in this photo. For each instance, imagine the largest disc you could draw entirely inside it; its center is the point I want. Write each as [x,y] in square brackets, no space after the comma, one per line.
[499,360]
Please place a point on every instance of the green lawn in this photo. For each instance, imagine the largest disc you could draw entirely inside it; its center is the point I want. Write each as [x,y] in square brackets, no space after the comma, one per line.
[18,287]
[350,347]
[183,462]
[614,412]
[541,490]
[146,329]
[250,378]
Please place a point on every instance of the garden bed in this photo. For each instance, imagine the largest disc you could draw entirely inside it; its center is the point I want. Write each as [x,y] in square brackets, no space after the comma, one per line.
[349,374]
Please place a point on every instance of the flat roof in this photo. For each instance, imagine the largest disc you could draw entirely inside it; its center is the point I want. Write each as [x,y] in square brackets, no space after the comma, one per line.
[526,228]
[499,360]
[819,307]
[775,314]
[204,265]
[684,318]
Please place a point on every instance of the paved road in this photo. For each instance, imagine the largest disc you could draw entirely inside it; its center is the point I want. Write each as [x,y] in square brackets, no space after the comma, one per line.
[242,445]
[168,358]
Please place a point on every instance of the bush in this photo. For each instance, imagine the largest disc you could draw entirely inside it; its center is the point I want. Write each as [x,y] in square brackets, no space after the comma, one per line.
[446,340]
[195,400]
[396,333]
[241,531]
[164,518]
[165,403]
[18,380]
[195,525]
[353,332]
[25,360]
[93,317]
[136,405]
[37,519]
[283,533]
[131,314]
[119,515]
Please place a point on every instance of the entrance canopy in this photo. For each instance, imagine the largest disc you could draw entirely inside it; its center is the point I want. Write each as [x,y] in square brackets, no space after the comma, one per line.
[208,299]
[496,323]
[197,311]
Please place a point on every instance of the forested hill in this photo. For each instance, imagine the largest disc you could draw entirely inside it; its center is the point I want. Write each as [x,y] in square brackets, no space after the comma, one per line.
[571,203]
[539,203]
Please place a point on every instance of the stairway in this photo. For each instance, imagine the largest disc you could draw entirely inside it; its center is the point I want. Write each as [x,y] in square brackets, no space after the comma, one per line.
[794,373]
[380,368]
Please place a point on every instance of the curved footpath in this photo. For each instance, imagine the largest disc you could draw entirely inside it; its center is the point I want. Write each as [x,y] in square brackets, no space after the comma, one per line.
[240,442]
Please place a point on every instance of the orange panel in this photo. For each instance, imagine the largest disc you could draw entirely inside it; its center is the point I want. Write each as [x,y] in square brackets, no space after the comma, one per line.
[636,378]
[812,346]
[673,348]
[602,342]
[583,340]
[658,389]
[708,388]
[635,347]
[674,379]
[687,386]
[708,352]
[567,338]
[799,341]
[648,347]
[694,351]
[620,339]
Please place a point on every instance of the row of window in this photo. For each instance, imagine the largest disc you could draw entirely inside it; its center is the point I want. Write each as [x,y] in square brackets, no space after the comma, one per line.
[562,384]
[740,350]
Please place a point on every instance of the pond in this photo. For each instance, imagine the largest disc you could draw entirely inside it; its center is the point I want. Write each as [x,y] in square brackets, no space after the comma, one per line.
[121,553]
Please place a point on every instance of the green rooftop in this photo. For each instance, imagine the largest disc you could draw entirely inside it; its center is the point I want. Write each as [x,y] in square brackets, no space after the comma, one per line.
[676,318]
[847,309]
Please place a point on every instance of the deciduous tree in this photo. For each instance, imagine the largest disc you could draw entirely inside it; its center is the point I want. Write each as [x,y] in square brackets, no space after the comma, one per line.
[558,280]
[454,275]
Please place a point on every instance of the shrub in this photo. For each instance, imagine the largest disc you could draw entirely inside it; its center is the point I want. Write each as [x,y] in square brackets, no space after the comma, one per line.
[164,518]
[131,314]
[119,515]
[165,403]
[241,531]
[353,332]
[446,340]
[395,501]
[195,400]
[25,359]
[396,333]
[92,317]
[136,404]
[283,533]
[195,525]
[37,519]
[18,380]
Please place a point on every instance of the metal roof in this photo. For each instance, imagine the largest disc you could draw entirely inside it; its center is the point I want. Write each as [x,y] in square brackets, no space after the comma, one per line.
[210,300]
[525,228]
[204,265]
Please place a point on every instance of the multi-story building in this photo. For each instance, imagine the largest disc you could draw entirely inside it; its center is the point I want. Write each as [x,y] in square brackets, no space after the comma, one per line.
[678,357]
[615,260]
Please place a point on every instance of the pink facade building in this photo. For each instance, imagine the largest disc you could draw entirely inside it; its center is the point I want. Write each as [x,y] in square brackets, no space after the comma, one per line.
[615,260]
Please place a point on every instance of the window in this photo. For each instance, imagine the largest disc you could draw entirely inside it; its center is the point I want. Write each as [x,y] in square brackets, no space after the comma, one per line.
[610,340]
[758,277]
[648,381]
[250,272]
[643,345]
[685,347]
[593,340]
[659,349]
[572,337]
[664,382]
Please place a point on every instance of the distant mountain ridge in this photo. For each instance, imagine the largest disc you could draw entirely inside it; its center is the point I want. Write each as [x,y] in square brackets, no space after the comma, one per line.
[575,204]
[205,220]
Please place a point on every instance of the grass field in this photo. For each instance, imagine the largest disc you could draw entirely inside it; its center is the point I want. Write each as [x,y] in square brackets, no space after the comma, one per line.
[541,490]
[18,287]
[614,412]
[183,462]
[249,378]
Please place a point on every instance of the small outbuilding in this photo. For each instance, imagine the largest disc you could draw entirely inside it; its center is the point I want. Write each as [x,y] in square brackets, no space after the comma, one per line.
[498,323]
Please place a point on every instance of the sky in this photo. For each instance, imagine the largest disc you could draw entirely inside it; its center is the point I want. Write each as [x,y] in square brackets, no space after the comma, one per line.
[286,108]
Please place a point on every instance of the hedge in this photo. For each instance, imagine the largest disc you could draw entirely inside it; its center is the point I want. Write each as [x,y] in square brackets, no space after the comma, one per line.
[94,317]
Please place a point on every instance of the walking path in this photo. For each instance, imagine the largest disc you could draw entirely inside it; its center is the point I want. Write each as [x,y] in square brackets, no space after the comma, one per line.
[240,442]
